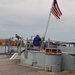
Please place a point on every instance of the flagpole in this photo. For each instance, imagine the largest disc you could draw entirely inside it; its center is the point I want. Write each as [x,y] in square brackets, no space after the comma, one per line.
[48,21]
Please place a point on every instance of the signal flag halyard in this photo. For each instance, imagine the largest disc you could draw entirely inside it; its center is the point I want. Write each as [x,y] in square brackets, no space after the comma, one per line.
[55,10]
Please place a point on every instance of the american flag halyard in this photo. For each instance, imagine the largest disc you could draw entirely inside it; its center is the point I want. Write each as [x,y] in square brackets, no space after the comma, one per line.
[55,10]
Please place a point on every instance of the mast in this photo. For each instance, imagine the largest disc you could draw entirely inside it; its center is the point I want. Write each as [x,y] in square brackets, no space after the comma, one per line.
[48,21]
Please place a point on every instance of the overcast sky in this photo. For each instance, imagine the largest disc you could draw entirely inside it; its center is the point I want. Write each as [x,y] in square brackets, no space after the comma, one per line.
[29,17]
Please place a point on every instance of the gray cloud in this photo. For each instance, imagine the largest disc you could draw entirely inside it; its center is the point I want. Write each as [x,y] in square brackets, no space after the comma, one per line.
[29,17]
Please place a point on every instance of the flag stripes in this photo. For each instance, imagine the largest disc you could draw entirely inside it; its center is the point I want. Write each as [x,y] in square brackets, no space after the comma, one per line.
[55,10]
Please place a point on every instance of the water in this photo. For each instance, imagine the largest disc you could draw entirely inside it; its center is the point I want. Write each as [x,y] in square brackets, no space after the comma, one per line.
[4,49]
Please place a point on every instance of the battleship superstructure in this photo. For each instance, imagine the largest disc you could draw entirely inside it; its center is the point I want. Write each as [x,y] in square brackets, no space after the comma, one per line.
[52,56]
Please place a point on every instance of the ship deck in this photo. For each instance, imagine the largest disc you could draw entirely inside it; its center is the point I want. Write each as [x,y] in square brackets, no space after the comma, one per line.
[13,67]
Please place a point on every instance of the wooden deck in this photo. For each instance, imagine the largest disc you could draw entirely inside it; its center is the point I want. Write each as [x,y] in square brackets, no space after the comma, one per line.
[13,67]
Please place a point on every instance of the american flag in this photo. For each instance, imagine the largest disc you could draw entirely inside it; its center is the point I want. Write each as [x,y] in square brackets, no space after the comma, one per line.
[55,10]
